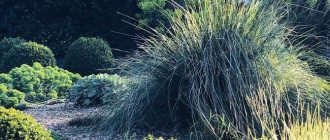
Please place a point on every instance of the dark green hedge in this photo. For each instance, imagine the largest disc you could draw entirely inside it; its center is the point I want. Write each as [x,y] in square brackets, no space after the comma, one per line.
[27,53]
[88,56]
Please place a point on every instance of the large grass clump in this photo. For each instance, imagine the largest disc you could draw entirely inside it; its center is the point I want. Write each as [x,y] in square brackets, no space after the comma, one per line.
[223,69]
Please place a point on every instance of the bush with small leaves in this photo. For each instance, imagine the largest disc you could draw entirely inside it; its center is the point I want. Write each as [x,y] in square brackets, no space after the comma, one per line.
[40,83]
[99,89]
[27,53]
[11,98]
[88,56]
[6,79]
[15,125]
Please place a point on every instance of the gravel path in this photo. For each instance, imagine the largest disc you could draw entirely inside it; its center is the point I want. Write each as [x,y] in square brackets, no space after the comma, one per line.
[56,117]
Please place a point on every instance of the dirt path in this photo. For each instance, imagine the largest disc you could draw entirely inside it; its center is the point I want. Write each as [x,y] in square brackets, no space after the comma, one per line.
[56,117]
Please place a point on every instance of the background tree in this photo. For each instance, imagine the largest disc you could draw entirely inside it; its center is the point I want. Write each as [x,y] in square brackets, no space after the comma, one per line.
[57,23]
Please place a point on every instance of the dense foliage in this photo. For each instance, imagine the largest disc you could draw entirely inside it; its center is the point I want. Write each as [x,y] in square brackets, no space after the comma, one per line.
[40,83]
[15,125]
[95,90]
[154,14]
[7,43]
[27,53]
[11,98]
[57,23]
[88,56]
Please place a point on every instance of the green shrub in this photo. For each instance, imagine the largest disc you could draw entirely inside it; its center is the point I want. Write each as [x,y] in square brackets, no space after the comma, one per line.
[27,53]
[98,89]
[40,83]
[153,13]
[7,43]
[219,59]
[88,56]
[6,79]
[15,125]
[11,97]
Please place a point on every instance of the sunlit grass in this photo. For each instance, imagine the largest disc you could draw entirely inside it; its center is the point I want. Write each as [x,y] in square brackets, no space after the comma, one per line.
[309,125]
[313,129]
[219,59]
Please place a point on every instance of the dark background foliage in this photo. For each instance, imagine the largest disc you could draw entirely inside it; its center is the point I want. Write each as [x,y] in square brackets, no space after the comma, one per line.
[57,23]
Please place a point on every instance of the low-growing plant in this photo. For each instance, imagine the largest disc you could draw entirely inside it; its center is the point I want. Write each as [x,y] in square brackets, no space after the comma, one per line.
[15,125]
[27,53]
[11,98]
[98,89]
[88,56]
[57,136]
[40,83]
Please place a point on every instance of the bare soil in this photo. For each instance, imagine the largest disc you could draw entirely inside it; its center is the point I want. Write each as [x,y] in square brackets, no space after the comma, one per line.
[57,117]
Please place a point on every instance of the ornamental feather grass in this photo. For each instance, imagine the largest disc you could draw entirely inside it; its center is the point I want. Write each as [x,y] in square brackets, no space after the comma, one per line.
[223,70]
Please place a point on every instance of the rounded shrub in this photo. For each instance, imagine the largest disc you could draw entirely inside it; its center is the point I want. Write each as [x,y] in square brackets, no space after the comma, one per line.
[88,56]
[98,89]
[15,125]
[40,83]
[27,53]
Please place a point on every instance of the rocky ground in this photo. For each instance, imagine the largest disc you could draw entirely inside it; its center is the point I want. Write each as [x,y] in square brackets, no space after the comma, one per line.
[56,117]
